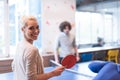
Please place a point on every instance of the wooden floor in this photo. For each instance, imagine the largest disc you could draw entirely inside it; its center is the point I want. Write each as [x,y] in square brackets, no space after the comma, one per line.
[82,68]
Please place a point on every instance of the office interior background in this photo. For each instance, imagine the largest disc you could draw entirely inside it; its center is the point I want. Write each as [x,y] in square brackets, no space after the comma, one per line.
[90,19]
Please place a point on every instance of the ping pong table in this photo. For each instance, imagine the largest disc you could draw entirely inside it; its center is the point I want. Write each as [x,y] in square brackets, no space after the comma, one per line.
[82,68]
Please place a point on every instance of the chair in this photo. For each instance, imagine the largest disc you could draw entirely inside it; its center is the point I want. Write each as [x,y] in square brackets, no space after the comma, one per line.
[100,55]
[86,57]
[113,55]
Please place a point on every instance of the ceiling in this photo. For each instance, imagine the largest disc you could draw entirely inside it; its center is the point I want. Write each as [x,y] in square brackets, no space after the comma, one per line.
[97,5]
[86,2]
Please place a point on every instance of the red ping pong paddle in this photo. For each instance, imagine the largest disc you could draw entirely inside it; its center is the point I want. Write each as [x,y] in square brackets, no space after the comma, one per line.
[69,61]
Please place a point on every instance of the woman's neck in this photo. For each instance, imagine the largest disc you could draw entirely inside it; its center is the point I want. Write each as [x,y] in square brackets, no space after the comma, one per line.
[28,40]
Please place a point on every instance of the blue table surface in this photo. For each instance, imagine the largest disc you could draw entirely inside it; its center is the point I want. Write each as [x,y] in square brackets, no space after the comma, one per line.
[66,75]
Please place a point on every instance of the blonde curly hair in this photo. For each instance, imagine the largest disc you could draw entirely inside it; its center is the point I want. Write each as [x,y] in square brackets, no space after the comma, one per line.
[25,19]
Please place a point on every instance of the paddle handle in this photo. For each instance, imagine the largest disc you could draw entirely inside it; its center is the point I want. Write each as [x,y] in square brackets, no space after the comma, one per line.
[58,64]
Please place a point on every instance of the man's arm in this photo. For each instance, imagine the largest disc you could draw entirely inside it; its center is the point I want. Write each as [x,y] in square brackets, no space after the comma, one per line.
[56,55]
[77,54]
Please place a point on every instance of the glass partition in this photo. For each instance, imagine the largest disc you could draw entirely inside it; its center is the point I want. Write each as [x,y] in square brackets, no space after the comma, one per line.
[97,19]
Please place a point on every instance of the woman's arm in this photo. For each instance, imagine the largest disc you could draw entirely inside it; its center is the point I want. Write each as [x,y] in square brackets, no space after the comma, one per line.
[56,72]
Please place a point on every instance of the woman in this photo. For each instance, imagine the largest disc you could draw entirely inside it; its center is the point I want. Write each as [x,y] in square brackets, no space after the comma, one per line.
[28,64]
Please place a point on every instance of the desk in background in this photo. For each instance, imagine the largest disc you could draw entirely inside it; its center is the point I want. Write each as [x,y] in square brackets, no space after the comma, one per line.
[100,51]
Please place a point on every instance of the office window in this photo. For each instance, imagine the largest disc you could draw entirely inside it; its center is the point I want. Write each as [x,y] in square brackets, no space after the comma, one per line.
[98,19]
[11,11]
[4,50]
[83,30]
[90,26]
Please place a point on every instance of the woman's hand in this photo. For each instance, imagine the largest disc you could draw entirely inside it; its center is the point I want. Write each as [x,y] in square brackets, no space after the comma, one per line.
[58,70]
